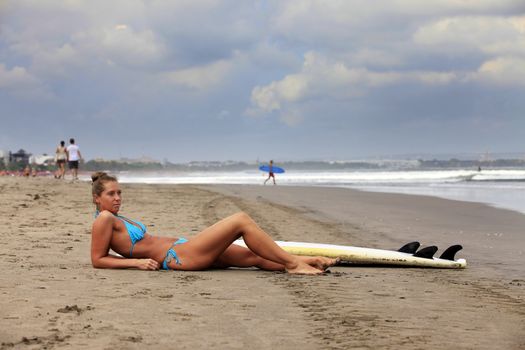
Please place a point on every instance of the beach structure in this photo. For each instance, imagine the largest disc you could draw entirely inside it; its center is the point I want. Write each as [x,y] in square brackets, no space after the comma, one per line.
[19,157]
[4,157]
[43,159]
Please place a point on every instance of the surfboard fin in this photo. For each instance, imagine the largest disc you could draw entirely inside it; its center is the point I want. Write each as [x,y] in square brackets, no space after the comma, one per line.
[409,248]
[450,252]
[427,252]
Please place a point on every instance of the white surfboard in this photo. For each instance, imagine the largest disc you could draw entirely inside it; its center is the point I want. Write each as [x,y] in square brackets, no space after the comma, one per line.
[408,255]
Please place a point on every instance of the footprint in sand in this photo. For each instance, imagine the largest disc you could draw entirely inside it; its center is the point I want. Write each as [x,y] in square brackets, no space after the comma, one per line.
[73,308]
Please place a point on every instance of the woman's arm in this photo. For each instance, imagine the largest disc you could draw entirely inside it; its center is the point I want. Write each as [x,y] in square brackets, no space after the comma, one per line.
[101,233]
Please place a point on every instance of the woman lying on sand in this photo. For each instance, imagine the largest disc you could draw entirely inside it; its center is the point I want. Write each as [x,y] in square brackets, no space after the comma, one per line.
[211,248]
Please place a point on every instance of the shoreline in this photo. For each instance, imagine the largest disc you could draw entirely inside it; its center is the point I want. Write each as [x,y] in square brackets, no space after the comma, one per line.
[51,296]
[501,188]
[502,195]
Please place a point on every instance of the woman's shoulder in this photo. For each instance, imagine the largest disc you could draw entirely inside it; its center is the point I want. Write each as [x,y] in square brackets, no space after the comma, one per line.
[105,216]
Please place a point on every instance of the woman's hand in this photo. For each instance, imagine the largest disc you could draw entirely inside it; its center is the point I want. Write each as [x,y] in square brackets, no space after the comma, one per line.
[147,264]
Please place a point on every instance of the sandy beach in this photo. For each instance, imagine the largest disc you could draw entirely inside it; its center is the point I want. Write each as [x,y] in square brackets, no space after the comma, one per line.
[51,296]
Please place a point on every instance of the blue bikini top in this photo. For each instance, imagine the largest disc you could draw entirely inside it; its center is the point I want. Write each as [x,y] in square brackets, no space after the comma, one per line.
[135,233]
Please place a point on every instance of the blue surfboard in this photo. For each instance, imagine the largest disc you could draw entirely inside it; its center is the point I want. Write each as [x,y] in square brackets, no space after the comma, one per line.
[275,169]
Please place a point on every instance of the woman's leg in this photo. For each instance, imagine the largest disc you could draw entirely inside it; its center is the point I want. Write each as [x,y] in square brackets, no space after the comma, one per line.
[237,256]
[205,248]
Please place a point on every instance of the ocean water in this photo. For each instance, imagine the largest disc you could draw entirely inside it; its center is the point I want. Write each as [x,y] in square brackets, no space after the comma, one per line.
[503,188]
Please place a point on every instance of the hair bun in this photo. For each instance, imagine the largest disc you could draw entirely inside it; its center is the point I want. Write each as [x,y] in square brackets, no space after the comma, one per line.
[97,175]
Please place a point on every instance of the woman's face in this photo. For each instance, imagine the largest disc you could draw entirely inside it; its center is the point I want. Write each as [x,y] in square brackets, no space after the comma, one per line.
[111,198]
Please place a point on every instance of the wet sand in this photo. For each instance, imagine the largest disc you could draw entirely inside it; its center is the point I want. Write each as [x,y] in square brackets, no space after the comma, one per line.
[51,297]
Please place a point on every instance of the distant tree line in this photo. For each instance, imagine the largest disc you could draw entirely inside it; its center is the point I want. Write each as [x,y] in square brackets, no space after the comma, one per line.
[113,165]
[465,164]
[95,165]
[319,165]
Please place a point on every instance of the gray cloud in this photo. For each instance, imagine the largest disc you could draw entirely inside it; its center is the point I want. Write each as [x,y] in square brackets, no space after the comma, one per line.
[238,80]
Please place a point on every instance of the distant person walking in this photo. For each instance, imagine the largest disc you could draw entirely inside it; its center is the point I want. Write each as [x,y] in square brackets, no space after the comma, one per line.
[73,158]
[270,173]
[60,159]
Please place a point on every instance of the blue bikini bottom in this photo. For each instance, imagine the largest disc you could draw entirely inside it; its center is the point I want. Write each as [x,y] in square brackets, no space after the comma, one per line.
[171,254]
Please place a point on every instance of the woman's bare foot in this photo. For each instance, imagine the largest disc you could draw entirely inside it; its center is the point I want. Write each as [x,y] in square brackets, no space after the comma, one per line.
[319,262]
[302,268]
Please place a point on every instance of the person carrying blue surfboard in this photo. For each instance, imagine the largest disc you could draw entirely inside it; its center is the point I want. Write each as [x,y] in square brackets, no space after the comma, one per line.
[270,173]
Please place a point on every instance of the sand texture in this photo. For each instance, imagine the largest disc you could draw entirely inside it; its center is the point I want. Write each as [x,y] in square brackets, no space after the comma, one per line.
[51,297]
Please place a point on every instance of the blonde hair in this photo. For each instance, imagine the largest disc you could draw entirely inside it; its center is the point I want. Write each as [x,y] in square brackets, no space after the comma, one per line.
[99,180]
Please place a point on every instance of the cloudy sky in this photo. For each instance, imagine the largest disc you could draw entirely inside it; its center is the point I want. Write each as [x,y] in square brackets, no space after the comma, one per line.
[289,80]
